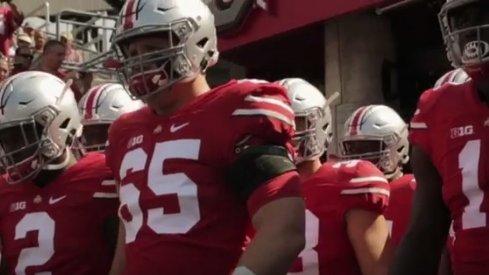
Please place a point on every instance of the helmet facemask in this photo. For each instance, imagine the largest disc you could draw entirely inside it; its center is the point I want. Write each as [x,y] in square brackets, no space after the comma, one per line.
[25,145]
[156,71]
[311,138]
[381,151]
[94,137]
[465,28]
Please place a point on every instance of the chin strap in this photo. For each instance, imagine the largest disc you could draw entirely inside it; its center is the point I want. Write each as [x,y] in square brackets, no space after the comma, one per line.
[63,164]
[394,175]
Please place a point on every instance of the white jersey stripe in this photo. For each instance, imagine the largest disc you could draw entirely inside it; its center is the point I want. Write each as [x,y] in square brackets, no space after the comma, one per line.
[369,179]
[273,101]
[418,125]
[368,190]
[263,112]
[108,182]
[105,195]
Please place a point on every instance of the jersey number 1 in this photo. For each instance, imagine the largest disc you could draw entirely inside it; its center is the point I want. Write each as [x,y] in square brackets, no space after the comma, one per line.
[468,161]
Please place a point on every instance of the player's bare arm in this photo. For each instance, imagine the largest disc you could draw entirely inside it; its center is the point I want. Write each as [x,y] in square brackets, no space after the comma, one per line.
[369,237]
[279,237]
[421,248]
[278,219]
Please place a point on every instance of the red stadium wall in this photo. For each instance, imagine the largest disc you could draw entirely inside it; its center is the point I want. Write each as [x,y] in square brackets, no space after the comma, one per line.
[286,15]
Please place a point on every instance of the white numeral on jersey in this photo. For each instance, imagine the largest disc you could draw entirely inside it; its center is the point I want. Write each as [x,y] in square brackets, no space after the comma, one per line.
[468,161]
[44,225]
[347,163]
[161,184]
[309,256]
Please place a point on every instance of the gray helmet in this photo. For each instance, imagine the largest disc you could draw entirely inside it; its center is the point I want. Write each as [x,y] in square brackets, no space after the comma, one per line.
[377,133]
[309,105]
[465,29]
[190,31]
[99,108]
[39,121]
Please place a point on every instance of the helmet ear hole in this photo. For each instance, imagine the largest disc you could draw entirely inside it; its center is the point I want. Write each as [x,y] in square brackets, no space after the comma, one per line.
[65,124]
[202,42]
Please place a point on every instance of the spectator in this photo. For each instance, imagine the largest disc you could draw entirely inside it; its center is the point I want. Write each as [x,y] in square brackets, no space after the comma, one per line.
[72,55]
[52,58]
[22,59]
[24,40]
[4,69]
[39,41]
[13,46]
[28,29]
[10,20]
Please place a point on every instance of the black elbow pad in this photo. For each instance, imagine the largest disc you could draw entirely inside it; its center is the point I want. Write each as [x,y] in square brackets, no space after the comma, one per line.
[256,165]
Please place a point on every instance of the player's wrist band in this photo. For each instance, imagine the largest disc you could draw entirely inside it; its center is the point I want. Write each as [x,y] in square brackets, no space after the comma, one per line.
[242,270]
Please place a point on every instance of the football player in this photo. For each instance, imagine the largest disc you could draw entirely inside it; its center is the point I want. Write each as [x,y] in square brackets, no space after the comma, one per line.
[55,212]
[346,232]
[456,76]
[378,134]
[197,163]
[99,108]
[450,154]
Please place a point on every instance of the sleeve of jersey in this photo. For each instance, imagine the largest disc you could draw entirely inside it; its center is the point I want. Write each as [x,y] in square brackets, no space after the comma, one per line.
[106,190]
[264,116]
[367,189]
[104,184]
[114,142]
[419,133]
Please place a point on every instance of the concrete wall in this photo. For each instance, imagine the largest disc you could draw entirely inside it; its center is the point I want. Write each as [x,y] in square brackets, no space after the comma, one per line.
[356,46]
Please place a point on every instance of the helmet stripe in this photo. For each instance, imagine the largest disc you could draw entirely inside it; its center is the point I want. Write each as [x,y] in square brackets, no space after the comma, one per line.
[356,122]
[129,15]
[92,100]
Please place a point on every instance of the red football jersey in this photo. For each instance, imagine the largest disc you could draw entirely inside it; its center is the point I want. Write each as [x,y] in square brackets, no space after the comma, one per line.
[181,215]
[329,194]
[59,229]
[7,27]
[451,125]
[398,214]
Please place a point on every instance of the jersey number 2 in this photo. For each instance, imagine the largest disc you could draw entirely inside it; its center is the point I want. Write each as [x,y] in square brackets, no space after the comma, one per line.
[161,184]
[39,255]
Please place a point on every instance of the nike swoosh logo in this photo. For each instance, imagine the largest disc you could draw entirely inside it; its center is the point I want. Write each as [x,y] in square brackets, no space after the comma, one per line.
[175,128]
[56,200]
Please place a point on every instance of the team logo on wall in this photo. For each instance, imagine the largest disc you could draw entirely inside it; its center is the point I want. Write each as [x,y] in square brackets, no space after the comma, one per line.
[231,14]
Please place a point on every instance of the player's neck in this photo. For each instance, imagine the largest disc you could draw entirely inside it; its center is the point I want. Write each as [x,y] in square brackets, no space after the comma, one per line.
[308,168]
[184,94]
[47,176]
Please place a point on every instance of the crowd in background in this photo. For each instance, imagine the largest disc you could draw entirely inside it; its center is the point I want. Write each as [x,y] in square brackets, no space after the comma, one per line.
[24,48]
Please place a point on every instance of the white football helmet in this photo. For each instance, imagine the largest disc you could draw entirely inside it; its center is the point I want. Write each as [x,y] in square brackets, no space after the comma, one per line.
[39,121]
[465,29]
[457,76]
[313,119]
[190,31]
[99,108]
[377,133]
